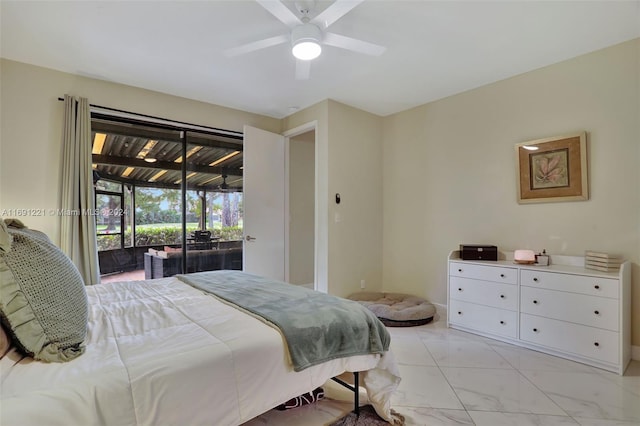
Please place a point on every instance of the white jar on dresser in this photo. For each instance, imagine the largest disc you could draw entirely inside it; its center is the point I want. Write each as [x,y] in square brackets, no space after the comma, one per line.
[562,309]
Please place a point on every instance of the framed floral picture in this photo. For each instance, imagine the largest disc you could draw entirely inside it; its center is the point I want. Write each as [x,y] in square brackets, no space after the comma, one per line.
[553,169]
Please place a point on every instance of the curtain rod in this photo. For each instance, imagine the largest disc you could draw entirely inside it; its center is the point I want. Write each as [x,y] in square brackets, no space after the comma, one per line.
[214,129]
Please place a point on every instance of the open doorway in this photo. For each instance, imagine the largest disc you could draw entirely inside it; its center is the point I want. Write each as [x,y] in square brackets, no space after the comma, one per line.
[301,239]
[288,252]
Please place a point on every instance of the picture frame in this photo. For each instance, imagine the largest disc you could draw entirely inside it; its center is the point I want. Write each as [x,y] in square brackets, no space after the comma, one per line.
[552,169]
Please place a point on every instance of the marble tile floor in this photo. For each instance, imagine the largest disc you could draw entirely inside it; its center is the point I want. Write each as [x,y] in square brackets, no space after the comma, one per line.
[456,378]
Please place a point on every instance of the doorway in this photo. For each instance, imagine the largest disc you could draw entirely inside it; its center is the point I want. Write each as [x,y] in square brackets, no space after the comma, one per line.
[301,239]
[284,242]
[302,233]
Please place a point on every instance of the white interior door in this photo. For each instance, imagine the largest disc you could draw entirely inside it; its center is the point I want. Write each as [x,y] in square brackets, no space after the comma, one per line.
[264,203]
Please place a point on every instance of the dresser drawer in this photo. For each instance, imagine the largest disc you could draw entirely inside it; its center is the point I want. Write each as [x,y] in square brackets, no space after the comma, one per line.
[593,311]
[504,296]
[483,318]
[498,274]
[581,340]
[594,286]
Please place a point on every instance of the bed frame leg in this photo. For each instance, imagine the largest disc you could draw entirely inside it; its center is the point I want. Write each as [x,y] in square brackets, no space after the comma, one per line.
[355,389]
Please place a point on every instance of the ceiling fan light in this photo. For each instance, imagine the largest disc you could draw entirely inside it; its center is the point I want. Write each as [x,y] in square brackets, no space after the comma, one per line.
[305,42]
[306,50]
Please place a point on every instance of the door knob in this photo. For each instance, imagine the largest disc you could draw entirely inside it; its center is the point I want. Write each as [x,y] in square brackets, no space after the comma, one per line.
[250,238]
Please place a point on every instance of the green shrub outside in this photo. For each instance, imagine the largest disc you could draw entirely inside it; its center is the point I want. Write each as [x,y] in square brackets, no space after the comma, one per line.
[168,235]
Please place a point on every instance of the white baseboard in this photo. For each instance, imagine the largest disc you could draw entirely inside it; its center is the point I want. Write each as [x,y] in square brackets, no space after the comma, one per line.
[441,312]
[635,353]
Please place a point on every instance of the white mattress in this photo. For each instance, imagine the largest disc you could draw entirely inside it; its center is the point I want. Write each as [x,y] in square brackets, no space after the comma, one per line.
[162,352]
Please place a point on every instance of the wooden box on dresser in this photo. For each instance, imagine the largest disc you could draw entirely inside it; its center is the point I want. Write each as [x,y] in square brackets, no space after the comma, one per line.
[562,309]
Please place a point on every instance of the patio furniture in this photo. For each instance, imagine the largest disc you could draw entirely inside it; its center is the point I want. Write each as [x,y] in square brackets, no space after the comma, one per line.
[160,264]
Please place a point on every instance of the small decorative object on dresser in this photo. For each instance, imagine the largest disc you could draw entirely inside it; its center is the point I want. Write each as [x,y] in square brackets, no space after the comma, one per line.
[602,261]
[542,259]
[478,252]
[562,309]
[524,257]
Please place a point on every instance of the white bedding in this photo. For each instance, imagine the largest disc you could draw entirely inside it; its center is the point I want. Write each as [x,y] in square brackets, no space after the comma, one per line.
[160,352]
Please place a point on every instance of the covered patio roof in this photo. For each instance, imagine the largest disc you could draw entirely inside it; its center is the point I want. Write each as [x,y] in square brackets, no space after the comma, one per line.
[152,156]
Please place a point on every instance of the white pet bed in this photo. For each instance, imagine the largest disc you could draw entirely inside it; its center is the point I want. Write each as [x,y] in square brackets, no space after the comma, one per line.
[397,309]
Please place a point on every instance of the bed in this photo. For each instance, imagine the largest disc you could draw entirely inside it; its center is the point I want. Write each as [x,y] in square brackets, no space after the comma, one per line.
[165,352]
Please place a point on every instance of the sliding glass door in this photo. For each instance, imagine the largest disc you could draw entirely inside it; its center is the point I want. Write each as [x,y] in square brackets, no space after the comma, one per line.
[170,199]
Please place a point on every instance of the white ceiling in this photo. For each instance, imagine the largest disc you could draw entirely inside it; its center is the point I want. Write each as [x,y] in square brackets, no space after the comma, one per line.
[434,48]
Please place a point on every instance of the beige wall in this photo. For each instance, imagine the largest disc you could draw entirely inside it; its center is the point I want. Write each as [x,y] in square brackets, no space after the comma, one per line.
[449,171]
[355,172]
[31,129]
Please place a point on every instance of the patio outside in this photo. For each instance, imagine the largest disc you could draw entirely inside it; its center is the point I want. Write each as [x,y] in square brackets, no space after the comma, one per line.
[161,190]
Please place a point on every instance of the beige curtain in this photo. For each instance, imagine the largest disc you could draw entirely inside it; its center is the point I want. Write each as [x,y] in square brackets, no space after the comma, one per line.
[78,230]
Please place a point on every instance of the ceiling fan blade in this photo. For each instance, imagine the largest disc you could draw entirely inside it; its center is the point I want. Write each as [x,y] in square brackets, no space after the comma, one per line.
[334,12]
[256,45]
[280,11]
[355,45]
[303,69]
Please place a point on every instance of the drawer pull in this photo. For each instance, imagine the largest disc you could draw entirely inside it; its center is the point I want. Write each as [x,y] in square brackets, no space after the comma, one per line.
[535,279]
[459,312]
[596,344]
[501,322]
[459,289]
[501,275]
[596,312]
[502,296]
[460,270]
[535,302]
[535,330]
[597,287]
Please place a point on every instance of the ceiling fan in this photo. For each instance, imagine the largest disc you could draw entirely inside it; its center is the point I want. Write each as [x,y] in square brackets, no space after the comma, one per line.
[224,186]
[308,34]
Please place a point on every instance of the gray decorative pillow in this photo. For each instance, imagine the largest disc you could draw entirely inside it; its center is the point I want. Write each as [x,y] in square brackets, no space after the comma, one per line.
[5,238]
[43,302]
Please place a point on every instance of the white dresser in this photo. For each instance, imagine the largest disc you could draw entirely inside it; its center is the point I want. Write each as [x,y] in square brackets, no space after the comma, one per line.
[562,309]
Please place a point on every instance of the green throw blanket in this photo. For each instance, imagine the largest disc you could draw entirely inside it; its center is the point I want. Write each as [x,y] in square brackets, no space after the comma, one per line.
[317,327]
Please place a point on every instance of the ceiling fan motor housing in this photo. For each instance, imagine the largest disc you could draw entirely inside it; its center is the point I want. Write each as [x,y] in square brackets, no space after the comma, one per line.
[303,34]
